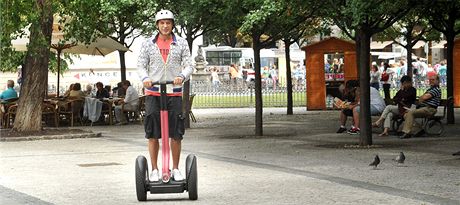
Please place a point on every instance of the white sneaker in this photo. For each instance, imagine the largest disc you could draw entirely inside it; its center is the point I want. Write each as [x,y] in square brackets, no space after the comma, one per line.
[177,175]
[154,176]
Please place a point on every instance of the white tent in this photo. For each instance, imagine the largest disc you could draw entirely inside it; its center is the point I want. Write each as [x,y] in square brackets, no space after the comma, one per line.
[101,46]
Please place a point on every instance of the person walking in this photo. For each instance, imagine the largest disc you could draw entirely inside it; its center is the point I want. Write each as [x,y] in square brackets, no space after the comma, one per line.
[164,57]
[375,75]
[386,79]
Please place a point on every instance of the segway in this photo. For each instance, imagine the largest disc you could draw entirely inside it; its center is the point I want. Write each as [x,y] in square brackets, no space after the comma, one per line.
[166,184]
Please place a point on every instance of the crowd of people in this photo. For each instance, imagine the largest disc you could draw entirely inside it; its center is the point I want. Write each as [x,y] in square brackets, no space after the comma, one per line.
[242,77]
[403,105]
[390,74]
[127,96]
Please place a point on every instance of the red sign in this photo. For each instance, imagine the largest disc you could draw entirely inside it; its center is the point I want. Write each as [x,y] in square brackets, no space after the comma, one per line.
[334,76]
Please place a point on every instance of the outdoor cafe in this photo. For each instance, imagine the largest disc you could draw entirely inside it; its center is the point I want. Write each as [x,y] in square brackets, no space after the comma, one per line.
[69,111]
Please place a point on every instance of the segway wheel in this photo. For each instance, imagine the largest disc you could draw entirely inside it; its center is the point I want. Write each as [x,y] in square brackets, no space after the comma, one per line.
[141,178]
[434,127]
[192,177]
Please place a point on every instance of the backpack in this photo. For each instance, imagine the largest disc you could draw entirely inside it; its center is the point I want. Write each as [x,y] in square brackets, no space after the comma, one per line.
[384,76]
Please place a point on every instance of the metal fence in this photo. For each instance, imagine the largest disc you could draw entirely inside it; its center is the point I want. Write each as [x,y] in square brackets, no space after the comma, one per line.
[240,93]
[237,94]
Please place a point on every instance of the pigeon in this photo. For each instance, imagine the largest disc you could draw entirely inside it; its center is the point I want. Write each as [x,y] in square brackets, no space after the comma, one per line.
[375,162]
[456,153]
[400,158]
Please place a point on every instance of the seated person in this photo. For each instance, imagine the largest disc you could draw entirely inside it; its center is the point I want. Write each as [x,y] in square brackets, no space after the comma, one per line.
[403,100]
[349,95]
[76,92]
[89,90]
[108,88]
[67,92]
[377,105]
[101,91]
[9,93]
[130,103]
[119,91]
[427,107]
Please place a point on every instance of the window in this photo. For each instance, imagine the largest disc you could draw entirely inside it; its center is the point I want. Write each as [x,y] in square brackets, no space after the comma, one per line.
[223,58]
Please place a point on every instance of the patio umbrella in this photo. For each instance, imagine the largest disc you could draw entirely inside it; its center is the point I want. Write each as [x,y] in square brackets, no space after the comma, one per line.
[101,46]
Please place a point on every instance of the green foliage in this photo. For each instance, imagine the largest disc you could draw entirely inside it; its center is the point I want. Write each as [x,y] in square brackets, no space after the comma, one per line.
[444,15]
[123,20]
[256,19]
[16,17]
[369,16]
[196,17]
[414,27]
[231,16]
[13,18]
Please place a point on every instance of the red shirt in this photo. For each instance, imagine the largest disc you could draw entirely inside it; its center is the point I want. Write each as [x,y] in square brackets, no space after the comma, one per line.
[164,46]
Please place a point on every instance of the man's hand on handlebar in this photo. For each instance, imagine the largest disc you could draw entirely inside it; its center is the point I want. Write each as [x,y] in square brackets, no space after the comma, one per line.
[147,84]
[178,80]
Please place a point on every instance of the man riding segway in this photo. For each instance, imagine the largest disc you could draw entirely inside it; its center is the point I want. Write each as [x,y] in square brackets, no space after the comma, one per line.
[164,57]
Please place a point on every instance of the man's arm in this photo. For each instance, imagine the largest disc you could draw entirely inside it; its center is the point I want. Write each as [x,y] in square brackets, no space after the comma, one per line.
[425,96]
[186,63]
[142,65]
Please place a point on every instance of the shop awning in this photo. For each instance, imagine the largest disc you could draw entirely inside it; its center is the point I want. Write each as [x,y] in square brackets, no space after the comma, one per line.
[380,44]
[418,44]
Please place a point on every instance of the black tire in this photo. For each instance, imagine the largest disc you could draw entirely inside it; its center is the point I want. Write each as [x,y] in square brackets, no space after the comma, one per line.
[141,178]
[434,127]
[192,177]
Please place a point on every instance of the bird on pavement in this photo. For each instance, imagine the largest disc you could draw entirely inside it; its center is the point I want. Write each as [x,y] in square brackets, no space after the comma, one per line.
[400,158]
[456,153]
[375,162]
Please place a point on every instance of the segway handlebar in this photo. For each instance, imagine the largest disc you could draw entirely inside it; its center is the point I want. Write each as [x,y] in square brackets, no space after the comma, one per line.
[162,82]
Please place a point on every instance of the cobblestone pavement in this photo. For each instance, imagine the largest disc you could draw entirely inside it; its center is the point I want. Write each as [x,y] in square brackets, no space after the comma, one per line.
[299,160]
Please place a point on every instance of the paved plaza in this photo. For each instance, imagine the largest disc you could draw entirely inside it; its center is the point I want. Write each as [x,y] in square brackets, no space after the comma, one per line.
[299,160]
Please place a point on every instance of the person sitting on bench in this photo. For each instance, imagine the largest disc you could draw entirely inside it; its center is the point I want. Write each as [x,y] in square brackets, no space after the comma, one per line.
[403,100]
[377,105]
[427,107]
[349,96]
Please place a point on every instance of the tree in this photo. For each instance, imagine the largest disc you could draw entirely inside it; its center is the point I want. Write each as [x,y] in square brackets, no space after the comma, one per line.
[414,27]
[40,14]
[267,22]
[227,29]
[360,19]
[123,21]
[444,17]
[303,24]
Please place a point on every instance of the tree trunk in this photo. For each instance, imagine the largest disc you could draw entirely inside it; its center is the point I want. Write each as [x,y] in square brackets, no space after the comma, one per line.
[258,85]
[287,44]
[450,36]
[121,54]
[409,55]
[186,91]
[29,113]
[363,64]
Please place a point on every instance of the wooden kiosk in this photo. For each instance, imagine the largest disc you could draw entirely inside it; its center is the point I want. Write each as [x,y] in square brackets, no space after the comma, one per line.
[456,73]
[320,83]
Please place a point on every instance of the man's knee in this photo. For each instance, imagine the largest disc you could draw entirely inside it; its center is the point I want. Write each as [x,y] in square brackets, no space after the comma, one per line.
[177,141]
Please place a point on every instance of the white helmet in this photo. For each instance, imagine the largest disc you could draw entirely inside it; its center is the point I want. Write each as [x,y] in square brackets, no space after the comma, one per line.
[164,14]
